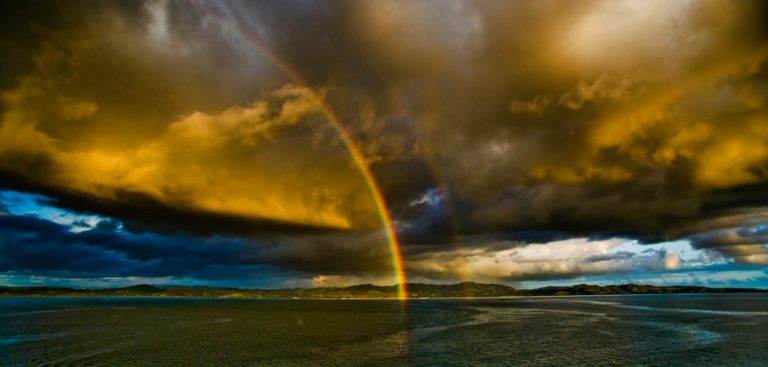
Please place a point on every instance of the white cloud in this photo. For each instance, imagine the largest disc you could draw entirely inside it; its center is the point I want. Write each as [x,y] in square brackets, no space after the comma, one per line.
[566,259]
[671,260]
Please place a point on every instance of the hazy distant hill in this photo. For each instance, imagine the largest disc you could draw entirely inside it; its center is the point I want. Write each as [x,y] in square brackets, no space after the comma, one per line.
[586,289]
[415,290]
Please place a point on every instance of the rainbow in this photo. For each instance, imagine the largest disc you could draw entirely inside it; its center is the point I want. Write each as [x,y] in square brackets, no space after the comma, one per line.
[349,144]
[453,223]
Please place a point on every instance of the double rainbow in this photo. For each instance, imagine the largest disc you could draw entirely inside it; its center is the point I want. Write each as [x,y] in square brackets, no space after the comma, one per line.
[349,144]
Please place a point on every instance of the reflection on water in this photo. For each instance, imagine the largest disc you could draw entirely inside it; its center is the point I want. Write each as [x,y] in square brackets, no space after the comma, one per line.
[722,329]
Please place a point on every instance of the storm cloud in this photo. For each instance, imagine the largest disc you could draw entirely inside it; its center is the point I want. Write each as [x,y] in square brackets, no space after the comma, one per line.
[491,127]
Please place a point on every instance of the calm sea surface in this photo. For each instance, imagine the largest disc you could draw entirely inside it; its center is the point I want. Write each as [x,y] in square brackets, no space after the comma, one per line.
[653,330]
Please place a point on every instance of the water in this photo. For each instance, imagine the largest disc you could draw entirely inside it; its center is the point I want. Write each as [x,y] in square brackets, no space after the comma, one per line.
[653,330]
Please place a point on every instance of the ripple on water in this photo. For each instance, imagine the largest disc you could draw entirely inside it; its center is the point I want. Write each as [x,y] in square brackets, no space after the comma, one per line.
[14,339]
[687,335]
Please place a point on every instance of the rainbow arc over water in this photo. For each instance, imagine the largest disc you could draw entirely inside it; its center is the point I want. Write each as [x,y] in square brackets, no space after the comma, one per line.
[349,144]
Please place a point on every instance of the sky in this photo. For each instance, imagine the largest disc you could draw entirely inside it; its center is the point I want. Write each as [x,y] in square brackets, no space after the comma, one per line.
[273,144]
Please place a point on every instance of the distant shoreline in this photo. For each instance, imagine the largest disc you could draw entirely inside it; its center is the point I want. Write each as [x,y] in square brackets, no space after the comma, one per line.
[368,299]
[466,290]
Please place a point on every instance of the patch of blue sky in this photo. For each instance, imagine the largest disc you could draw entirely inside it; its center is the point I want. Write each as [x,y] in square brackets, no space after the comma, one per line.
[431,197]
[758,229]
[20,203]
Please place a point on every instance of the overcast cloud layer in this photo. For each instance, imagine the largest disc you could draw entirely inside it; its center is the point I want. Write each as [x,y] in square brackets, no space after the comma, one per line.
[512,140]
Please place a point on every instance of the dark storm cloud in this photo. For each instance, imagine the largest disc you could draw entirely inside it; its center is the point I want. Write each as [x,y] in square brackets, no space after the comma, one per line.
[605,257]
[738,236]
[336,254]
[526,142]
[36,245]
[118,113]
[534,121]
[743,245]
[142,213]
[25,26]
[32,244]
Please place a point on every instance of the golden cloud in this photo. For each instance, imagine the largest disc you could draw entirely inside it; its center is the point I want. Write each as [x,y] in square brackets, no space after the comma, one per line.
[232,163]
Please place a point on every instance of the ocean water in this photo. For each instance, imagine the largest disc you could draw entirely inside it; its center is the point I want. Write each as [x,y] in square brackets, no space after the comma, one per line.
[642,330]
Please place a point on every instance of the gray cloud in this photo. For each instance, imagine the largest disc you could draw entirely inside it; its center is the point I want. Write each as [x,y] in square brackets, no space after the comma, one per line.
[533,120]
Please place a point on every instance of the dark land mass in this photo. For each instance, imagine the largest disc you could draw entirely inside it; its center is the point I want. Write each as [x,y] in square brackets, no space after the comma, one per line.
[364,291]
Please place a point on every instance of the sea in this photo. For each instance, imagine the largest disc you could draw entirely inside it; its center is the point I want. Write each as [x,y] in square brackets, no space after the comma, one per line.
[621,330]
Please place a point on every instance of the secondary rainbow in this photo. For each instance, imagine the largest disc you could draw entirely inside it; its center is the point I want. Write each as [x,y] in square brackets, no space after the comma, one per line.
[449,211]
[354,152]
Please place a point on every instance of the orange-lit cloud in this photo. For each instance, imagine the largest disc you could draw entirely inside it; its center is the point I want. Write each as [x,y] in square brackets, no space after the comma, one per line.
[644,119]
